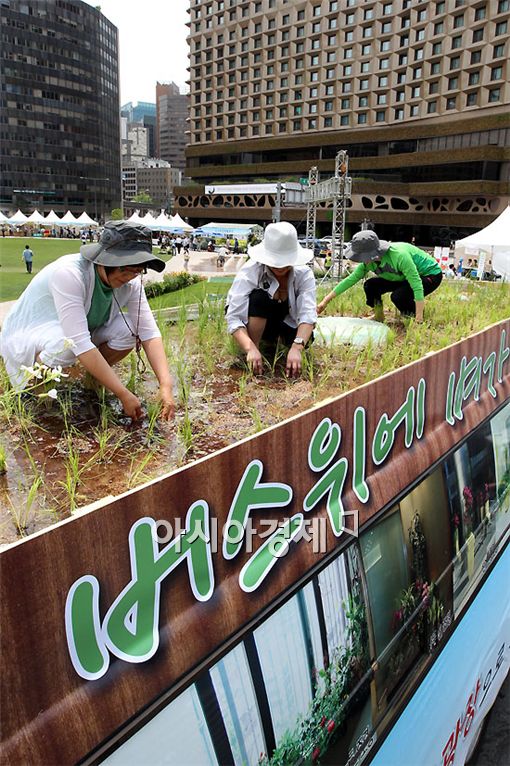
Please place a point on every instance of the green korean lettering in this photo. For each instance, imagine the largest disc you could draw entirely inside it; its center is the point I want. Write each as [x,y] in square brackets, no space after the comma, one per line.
[384,436]
[420,407]
[504,353]
[250,495]
[469,382]
[83,629]
[322,450]
[359,449]
[489,369]
[276,546]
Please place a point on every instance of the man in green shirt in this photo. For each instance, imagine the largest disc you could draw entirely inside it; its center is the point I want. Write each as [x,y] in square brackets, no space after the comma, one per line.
[401,269]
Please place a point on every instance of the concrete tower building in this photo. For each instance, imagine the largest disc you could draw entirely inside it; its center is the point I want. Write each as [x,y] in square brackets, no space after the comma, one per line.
[417,92]
[59,80]
[172,111]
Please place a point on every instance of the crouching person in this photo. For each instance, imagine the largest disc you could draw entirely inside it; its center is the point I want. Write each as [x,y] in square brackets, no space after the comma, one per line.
[72,310]
[273,298]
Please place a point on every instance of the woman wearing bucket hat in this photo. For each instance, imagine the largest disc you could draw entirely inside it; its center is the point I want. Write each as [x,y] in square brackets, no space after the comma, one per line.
[401,269]
[72,310]
[273,298]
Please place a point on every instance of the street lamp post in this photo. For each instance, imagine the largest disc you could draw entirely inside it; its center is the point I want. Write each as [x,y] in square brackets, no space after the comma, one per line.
[86,178]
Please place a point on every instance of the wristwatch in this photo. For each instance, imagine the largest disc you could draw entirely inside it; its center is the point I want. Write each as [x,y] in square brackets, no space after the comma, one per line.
[299,341]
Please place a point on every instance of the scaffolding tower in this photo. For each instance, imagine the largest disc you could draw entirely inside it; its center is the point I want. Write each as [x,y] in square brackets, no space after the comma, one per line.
[337,189]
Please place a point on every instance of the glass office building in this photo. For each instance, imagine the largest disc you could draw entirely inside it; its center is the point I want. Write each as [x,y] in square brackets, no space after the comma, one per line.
[59,124]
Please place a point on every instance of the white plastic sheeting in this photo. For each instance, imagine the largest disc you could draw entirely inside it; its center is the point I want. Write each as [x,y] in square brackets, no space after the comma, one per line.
[351,331]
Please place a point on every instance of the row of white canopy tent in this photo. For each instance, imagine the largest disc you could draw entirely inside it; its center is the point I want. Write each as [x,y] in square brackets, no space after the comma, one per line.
[163,222]
[52,219]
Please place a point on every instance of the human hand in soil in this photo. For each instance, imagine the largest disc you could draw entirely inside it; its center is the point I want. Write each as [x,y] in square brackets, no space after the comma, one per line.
[131,405]
[167,403]
[293,367]
[254,359]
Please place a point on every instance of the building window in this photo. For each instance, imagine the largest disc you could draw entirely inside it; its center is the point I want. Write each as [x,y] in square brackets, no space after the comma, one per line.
[363,101]
[458,21]
[455,62]
[456,42]
[451,102]
[366,49]
[399,95]
[431,107]
[362,118]
[435,68]
[415,92]
[386,27]
[478,35]
[472,99]
[480,13]
[384,63]
[439,28]
[380,115]
[296,125]
[367,31]
[414,111]
[399,114]
[503,5]
[497,73]
[363,84]
[387,9]
[494,95]
[474,78]
[436,49]
[499,51]
[328,122]
[365,66]
[312,124]
[434,87]
[345,103]
[440,7]
[453,83]
[476,57]
[347,70]
[501,28]
[382,81]
[344,119]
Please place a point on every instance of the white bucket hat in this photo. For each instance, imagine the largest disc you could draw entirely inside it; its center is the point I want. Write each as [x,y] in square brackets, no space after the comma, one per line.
[280,247]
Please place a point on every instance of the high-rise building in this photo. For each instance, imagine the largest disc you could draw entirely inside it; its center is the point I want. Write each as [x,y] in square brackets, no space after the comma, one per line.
[417,92]
[134,141]
[60,132]
[144,113]
[172,110]
[154,177]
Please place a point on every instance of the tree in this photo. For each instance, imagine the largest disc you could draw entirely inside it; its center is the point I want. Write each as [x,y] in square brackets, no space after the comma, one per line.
[144,198]
[116,214]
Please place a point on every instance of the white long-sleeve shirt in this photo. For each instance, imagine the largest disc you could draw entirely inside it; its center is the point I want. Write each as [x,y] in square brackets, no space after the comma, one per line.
[62,292]
[253,276]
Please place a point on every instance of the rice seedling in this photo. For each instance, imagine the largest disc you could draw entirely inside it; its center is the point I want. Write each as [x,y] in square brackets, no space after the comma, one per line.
[21,512]
[137,473]
[3,459]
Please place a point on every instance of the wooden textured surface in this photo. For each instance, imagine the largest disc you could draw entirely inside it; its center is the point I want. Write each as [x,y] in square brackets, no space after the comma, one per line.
[52,716]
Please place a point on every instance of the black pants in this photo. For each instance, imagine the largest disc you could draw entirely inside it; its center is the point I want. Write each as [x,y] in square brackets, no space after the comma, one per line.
[401,292]
[28,264]
[263,306]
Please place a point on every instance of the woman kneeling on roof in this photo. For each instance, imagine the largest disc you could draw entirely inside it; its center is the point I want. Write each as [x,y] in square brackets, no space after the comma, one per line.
[273,298]
[72,310]
[401,269]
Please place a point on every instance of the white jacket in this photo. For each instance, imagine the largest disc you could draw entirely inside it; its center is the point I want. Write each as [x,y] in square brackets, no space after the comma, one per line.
[62,292]
[253,275]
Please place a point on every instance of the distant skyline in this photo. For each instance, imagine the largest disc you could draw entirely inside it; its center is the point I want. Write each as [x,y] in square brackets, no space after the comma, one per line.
[152,44]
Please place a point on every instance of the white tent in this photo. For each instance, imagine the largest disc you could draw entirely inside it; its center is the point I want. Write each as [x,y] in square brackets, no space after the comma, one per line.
[493,240]
[85,220]
[240,230]
[135,218]
[68,219]
[36,217]
[150,221]
[178,223]
[163,221]
[52,218]
[3,218]
[18,218]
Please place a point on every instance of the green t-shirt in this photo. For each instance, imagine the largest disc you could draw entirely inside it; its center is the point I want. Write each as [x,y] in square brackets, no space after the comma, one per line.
[402,261]
[101,305]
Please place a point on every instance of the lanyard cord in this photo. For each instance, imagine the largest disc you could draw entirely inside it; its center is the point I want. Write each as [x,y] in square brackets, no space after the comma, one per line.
[141,367]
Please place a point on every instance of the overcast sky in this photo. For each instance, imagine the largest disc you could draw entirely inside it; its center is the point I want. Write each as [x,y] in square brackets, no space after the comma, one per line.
[152,42]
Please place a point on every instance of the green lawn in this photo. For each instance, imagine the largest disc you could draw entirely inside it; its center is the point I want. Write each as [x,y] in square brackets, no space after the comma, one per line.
[13,274]
[191,294]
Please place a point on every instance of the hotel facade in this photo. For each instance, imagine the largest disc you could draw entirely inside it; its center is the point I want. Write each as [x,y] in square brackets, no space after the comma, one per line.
[417,93]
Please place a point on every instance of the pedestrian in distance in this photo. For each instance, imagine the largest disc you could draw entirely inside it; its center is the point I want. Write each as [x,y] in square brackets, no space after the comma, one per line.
[273,298]
[400,268]
[28,258]
[73,311]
